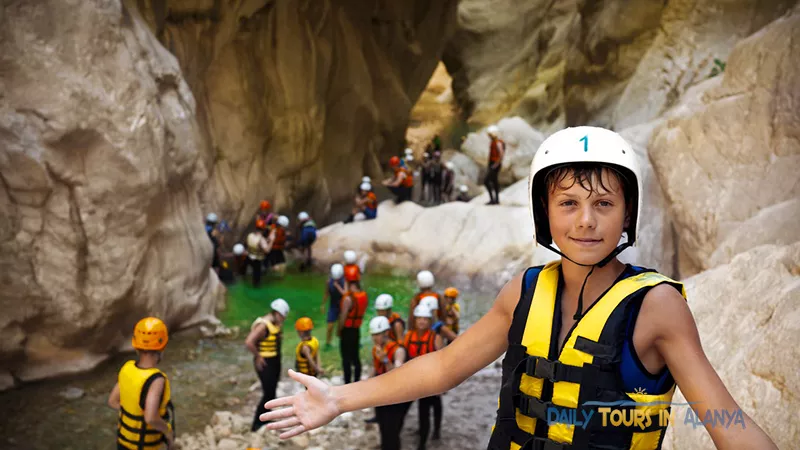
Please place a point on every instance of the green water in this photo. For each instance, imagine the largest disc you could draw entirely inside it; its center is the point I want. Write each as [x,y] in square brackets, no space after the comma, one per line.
[304,292]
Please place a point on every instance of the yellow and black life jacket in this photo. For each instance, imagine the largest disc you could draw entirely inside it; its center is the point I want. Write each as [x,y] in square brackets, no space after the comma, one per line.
[301,363]
[132,430]
[270,346]
[448,313]
[542,387]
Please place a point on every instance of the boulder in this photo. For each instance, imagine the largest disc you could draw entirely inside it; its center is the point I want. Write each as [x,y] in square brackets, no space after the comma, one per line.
[742,310]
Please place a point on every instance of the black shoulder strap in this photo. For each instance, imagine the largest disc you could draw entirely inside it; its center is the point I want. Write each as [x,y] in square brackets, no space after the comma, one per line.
[146,388]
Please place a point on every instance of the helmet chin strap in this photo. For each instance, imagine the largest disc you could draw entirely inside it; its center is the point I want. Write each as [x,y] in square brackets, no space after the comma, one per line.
[579,310]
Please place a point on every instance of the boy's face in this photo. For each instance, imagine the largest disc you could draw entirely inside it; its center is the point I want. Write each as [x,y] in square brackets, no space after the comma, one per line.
[377,339]
[423,323]
[586,225]
[383,312]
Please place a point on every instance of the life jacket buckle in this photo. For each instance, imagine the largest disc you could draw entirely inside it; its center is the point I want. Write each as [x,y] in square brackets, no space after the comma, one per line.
[533,407]
[539,367]
[538,443]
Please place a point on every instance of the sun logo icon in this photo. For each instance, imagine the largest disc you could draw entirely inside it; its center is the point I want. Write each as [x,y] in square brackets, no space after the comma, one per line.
[640,390]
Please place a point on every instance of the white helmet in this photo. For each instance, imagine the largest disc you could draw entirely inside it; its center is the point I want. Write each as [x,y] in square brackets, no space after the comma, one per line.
[425,279]
[238,249]
[384,301]
[409,151]
[280,306]
[430,301]
[211,217]
[423,311]
[337,271]
[283,221]
[493,129]
[350,257]
[366,179]
[302,216]
[379,324]
[577,145]
[365,186]
[450,165]
[409,158]
[426,154]
[463,188]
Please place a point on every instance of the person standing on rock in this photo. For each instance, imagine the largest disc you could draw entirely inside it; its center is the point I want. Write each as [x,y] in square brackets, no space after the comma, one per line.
[436,170]
[334,291]
[387,354]
[307,235]
[425,282]
[585,328]
[422,340]
[264,342]
[497,149]
[258,247]
[142,395]
[354,306]
[307,351]
[401,183]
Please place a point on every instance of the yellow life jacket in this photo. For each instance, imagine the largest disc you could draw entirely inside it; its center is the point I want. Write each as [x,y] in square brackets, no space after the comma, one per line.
[301,362]
[254,250]
[539,408]
[453,307]
[132,430]
[270,346]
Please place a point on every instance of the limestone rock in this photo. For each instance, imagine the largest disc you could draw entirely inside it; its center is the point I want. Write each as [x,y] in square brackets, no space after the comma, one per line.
[521,140]
[749,305]
[738,155]
[100,157]
[514,195]
[467,171]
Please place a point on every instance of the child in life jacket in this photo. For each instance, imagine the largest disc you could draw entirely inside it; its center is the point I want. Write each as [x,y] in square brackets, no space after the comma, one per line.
[306,354]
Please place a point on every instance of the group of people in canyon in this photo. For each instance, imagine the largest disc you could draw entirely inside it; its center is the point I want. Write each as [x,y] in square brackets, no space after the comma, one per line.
[433,323]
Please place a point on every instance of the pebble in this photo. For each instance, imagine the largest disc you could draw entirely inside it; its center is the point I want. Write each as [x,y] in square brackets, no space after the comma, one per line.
[72,393]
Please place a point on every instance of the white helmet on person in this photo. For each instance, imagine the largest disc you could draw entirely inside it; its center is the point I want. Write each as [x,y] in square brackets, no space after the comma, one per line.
[463,188]
[583,144]
[366,179]
[493,130]
[450,165]
[238,249]
[212,218]
[283,221]
[280,306]
[423,311]
[337,271]
[365,187]
[430,301]
[379,324]
[425,279]
[350,257]
[302,216]
[383,301]
[409,158]
[409,151]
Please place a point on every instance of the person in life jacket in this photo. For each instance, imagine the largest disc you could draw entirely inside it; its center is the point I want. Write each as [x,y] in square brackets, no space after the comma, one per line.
[422,340]
[463,194]
[448,180]
[334,290]
[366,203]
[307,235]
[352,272]
[383,307]
[438,326]
[452,310]
[306,353]
[579,334]
[497,149]
[351,315]
[240,259]
[258,246]
[264,342]
[425,282]
[142,394]
[401,183]
[387,355]
[264,212]
[276,259]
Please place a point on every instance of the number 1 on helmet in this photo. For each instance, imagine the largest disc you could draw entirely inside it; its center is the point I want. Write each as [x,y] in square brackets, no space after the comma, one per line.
[585,141]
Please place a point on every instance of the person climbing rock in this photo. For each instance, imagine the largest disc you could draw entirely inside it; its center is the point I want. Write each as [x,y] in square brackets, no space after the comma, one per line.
[436,177]
[497,149]
[334,291]
[585,328]
[383,307]
[258,247]
[452,310]
[401,183]
[307,235]
[448,180]
[354,306]
[306,354]
[264,342]
[352,272]
[215,236]
[422,340]
[425,282]
[387,354]
[142,394]
[276,259]
[463,194]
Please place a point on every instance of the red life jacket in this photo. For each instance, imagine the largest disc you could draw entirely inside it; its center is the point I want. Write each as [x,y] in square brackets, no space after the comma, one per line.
[419,345]
[494,150]
[352,272]
[408,181]
[389,349]
[372,201]
[356,314]
[280,238]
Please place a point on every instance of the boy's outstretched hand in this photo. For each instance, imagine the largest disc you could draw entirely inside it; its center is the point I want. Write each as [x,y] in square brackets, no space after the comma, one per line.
[304,411]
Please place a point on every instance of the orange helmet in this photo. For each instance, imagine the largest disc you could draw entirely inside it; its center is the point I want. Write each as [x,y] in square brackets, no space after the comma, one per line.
[150,334]
[304,324]
[265,205]
[394,161]
[451,292]
[261,224]
[351,272]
